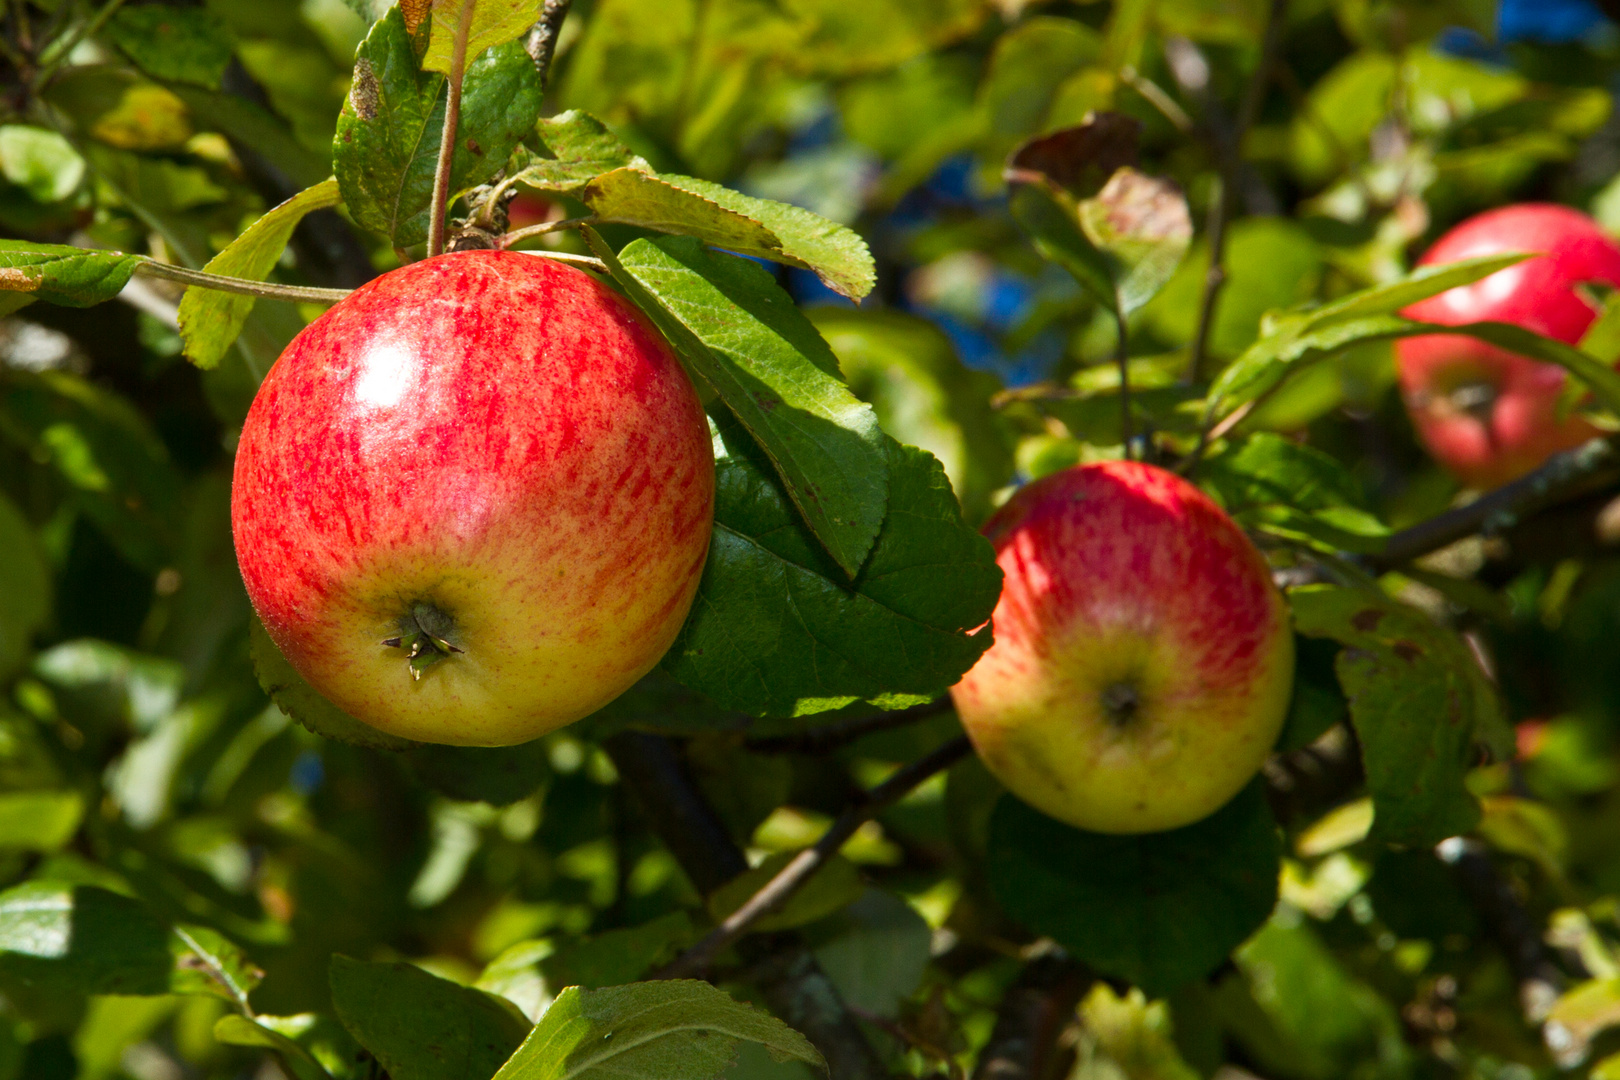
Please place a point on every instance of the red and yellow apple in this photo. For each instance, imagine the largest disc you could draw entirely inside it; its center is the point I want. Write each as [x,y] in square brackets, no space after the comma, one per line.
[472,501]
[1143,659]
[1486,414]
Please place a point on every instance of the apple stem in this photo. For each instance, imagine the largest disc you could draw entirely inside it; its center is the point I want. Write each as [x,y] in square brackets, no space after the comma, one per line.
[307,294]
[447,137]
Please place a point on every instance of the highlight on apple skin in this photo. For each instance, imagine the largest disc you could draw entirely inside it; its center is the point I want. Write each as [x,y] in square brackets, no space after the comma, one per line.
[473,500]
[1486,414]
[1143,659]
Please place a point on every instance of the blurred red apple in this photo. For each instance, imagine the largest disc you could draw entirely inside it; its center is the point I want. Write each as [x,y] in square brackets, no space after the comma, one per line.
[1143,659]
[472,501]
[1486,414]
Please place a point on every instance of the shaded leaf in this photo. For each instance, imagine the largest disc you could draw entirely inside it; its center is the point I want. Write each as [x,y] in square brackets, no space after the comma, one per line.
[387,140]
[742,334]
[675,1030]
[875,951]
[619,956]
[304,703]
[25,588]
[728,219]
[210,320]
[1419,704]
[776,629]
[1160,909]
[421,1027]
[176,44]
[836,885]
[498,775]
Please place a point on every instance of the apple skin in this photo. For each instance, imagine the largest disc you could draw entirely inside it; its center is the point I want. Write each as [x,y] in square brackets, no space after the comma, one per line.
[1486,414]
[1143,659]
[501,438]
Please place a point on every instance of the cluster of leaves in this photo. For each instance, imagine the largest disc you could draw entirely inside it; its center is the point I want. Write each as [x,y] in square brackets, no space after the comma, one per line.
[193,882]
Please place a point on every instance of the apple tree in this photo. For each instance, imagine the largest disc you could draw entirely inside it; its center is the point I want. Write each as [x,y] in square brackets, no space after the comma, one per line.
[911,256]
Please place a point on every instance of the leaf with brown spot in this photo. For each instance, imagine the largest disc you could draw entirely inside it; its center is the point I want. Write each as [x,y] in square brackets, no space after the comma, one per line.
[1078,159]
[1421,707]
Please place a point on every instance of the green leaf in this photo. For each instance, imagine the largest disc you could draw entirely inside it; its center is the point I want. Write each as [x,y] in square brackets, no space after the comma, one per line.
[210,320]
[421,1027]
[87,940]
[1281,486]
[39,820]
[582,148]
[1058,238]
[776,629]
[1419,704]
[304,703]
[742,334]
[675,1030]
[25,589]
[176,44]
[494,22]
[41,162]
[725,218]
[1159,909]
[619,956]
[387,142]
[1420,284]
[836,885]
[233,1030]
[59,274]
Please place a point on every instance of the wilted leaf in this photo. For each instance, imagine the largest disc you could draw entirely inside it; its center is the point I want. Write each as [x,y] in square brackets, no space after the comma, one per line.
[1079,159]
[675,1030]
[210,320]
[1160,909]
[777,628]
[742,335]
[1140,223]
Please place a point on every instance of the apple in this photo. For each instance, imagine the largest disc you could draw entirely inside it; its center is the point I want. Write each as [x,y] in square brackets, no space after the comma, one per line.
[1143,659]
[1486,414]
[472,500]
[525,210]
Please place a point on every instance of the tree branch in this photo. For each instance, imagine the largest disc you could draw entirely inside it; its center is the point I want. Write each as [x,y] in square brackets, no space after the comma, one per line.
[542,42]
[1228,143]
[774,893]
[1573,472]
[787,974]
[1033,1013]
[447,136]
[822,740]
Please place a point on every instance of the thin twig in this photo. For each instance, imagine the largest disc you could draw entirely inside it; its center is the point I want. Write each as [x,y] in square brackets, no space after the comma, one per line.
[822,740]
[517,236]
[774,893]
[60,54]
[1564,475]
[269,290]
[447,137]
[1123,360]
[542,42]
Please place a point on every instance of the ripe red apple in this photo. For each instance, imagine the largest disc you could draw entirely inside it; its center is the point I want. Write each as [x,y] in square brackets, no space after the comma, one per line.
[472,501]
[1143,659]
[1486,414]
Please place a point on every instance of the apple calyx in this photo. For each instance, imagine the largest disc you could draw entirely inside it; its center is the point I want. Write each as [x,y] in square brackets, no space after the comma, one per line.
[1121,702]
[422,636]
